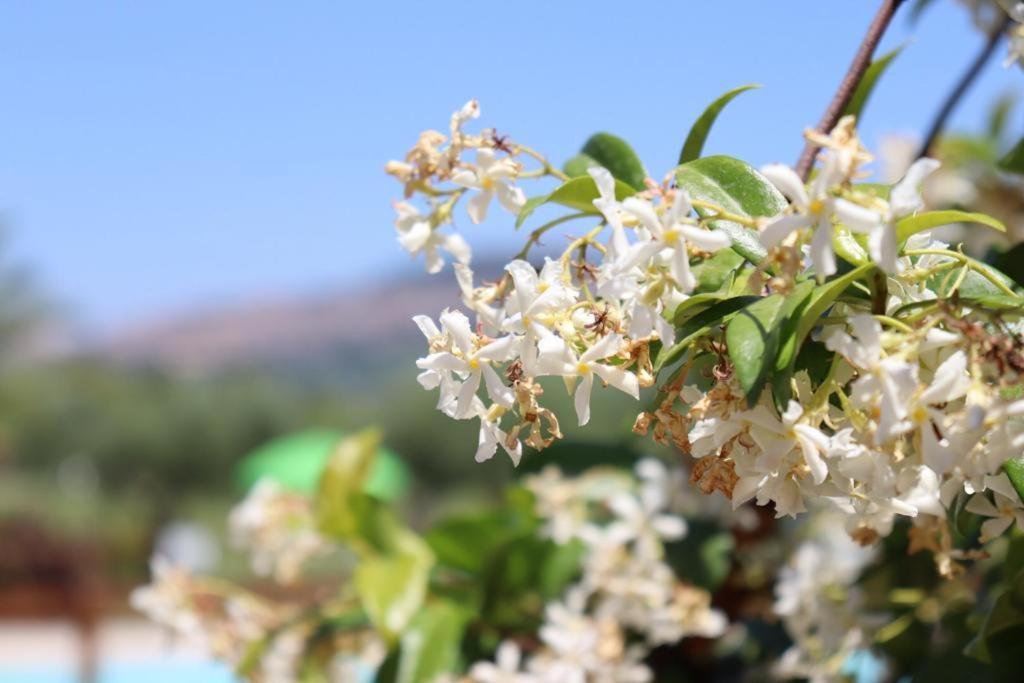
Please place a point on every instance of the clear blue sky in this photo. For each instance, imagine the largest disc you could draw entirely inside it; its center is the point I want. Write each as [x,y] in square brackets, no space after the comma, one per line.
[161,155]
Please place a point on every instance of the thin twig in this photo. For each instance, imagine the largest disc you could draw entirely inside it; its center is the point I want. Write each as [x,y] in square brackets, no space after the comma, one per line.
[860,64]
[961,88]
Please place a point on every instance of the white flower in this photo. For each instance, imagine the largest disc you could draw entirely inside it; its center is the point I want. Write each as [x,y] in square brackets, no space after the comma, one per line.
[885,383]
[611,209]
[490,176]
[778,439]
[166,600]
[557,358]
[1004,508]
[472,362]
[505,669]
[536,302]
[817,210]
[670,232]
[491,436]
[416,235]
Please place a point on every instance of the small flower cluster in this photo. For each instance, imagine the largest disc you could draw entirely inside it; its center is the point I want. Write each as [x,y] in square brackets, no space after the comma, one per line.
[820,605]
[278,530]
[628,599]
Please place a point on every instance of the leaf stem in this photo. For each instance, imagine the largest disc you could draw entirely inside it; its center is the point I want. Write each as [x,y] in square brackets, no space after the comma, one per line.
[539,232]
[860,64]
[961,88]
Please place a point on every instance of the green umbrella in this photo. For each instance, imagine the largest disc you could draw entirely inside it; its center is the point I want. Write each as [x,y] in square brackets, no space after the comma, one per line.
[296,460]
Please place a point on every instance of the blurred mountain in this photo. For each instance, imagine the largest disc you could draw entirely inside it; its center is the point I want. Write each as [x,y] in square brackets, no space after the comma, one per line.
[346,334]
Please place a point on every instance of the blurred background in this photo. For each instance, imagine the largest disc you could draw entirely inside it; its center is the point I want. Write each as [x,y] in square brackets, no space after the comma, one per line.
[198,259]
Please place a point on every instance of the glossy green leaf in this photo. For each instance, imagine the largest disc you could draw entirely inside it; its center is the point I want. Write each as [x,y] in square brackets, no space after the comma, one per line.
[391,588]
[868,82]
[824,296]
[529,207]
[430,647]
[1014,159]
[466,542]
[580,193]
[559,567]
[848,247]
[1014,469]
[577,165]
[738,188]
[341,504]
[752,337]
[694,145]
[912,225]
[698,326]
[618,157]
[715,272]
[974,286]
[789,342]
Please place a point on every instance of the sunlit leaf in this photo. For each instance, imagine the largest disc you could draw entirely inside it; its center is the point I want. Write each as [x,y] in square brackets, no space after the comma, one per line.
[694,145]
[618,157]
[868,82]
[912,225]
[739,189]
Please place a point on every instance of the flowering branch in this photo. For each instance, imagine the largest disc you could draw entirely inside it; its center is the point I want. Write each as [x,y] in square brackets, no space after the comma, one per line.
[962,86]
[860,64]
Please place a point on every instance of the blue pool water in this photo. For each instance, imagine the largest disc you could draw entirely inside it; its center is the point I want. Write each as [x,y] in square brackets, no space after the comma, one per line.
[127,672]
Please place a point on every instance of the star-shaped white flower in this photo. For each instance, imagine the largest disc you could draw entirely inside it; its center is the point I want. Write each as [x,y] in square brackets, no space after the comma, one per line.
[416,236]
[491,177]
[557,358]
[472,362]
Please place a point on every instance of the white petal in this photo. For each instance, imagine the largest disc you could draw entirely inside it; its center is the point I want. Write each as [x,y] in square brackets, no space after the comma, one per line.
[822,256]
[707,240]
[582,399]
[905,197]
[477,205]
[780,228]
[788,182]
[623,380]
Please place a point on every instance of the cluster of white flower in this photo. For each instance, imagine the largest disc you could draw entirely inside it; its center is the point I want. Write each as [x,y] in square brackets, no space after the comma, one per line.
[278,529]
[820,606]
[626,589]
[909,416]
[223,621]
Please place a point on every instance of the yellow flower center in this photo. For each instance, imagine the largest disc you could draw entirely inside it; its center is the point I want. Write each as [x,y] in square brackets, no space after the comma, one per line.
[816,207]
[583,368]
[542,287]
[487,183]
[672,236]
[474,364]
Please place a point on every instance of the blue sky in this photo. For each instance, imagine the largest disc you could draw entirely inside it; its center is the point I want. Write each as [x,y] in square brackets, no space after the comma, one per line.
[160,156]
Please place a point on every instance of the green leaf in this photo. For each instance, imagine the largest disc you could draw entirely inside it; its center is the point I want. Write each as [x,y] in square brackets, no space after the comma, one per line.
[1014,159]
[698,135]
[1014,469]
[467,541]
[559,567]
[752,338]
[788,342]
[577,165]
[911,225]
[868,82]
[824,296]
[715,272]
[698,326]
[430,646]
[529,207]
[580,193]
[848,248]
[392,587]
[704,556]
[341,504]
[738,188]
[618,157]
[974,286]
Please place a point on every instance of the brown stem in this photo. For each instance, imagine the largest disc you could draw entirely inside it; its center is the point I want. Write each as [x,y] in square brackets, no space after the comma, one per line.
[860,64]
[961,88]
